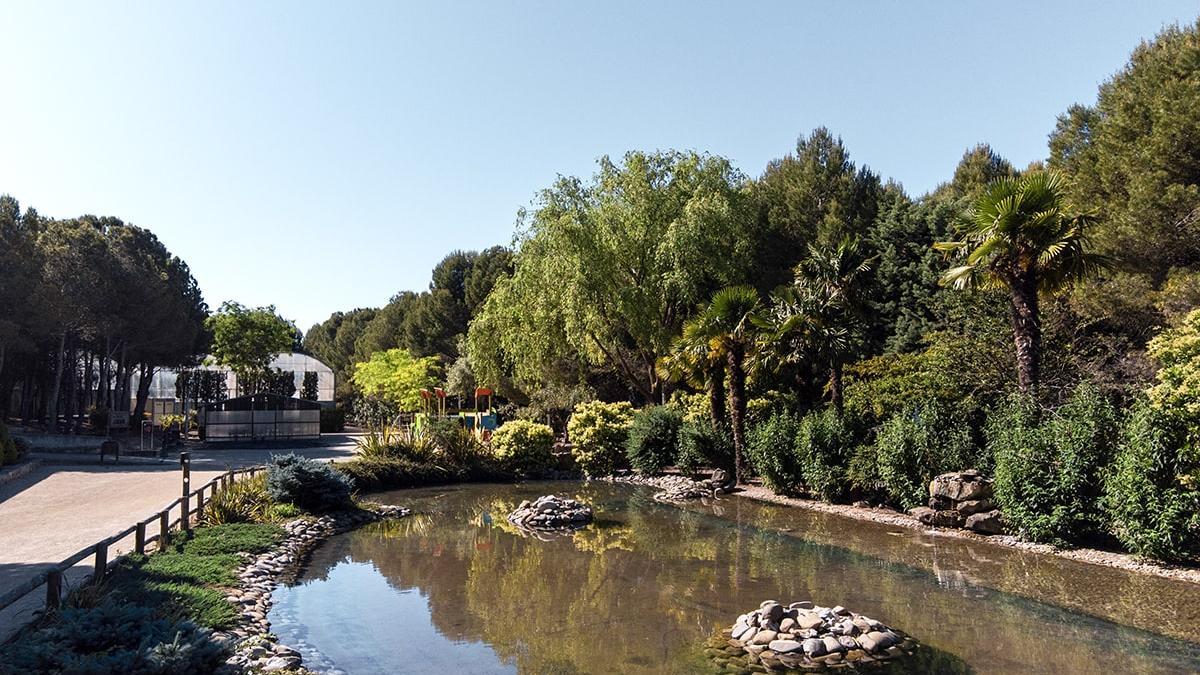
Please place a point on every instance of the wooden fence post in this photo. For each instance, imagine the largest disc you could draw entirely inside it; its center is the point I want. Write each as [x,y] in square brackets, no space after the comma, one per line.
[200,503]
[101,562]
[53,588]
[164,529]
[139,538]
[185,462]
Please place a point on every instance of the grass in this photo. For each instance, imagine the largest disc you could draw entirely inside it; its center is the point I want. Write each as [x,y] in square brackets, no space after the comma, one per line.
[188,580]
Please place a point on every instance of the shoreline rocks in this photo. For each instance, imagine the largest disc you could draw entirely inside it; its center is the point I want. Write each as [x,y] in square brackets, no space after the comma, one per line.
[805,636]
[255,649]
[551,512]
[961,499]
[678,488]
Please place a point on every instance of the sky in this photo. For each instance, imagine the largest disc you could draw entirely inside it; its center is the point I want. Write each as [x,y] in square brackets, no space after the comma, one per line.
[325,156]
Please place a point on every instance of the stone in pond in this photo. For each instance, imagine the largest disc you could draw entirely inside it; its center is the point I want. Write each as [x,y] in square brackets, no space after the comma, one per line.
[813,647]
[772,612]
[809,621]
[763,637]
[785,646]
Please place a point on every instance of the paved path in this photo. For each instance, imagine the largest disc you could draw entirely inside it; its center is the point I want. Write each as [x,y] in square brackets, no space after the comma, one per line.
[60,508]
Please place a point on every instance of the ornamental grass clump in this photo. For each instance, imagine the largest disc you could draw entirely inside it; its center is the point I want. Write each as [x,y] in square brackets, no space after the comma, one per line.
[308,483]
[244,501]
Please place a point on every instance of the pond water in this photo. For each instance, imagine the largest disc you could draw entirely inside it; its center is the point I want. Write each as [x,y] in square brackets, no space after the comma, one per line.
[454,588]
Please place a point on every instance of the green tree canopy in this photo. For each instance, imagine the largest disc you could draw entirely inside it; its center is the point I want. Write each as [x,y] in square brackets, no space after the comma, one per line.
[397,377]
[246,339]
[606,271]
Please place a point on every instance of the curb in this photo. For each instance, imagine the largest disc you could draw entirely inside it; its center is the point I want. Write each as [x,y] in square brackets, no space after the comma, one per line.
[19,471]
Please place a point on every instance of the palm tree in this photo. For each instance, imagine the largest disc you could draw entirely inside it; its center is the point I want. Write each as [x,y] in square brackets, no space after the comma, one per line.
[693,359]
[728,325]
[817,316]
[1023,237]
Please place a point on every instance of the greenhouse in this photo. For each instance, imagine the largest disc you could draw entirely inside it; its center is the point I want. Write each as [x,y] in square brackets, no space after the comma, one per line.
[260,417]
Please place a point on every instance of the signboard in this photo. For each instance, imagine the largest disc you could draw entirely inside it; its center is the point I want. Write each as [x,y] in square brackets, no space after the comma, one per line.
[118,419]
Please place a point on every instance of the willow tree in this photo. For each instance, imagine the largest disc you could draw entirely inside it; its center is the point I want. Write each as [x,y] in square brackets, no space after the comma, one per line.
[1023,237]
[607,270]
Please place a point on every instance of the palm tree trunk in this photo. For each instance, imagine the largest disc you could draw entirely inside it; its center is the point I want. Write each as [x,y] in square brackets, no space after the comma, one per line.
[716,397]
[737,409]
[835,384]
[1027,331]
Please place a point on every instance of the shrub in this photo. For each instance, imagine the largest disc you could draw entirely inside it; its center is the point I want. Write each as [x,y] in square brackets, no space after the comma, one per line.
[375,474]
[1177,352]
[8,448]
[699,446]
[524,446]
[280,512]
[310,484]
[245,501]
[770,448]
[98,418]
[1152,492]
[913,447]
[333,420]
[825,441]
[112,638]
[863,474]
[1048,474]
[653,438]
[598,431]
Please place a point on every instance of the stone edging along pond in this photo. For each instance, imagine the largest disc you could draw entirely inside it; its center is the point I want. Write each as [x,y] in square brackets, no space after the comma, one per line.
[674,484]
[1122,561]
[256,649]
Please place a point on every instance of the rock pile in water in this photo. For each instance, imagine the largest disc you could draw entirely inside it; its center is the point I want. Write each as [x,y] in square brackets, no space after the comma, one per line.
[961,499]
[804,636]
[551,512]
[676,488]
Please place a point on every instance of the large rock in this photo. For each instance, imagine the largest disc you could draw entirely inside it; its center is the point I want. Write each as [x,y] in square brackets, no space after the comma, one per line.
[961,486]
[928,516]
[989,522]
[970,508]
[551,512]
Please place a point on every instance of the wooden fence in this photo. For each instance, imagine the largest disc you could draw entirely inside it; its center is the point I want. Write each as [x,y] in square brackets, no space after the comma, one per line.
[155,530]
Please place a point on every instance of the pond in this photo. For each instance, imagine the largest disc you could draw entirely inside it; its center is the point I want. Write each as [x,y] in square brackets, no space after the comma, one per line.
[455,588]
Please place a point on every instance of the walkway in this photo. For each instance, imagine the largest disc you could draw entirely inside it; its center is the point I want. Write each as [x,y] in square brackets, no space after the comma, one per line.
[58,509]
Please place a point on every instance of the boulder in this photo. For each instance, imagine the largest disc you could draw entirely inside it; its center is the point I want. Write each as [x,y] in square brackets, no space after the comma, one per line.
[960,486]
[989,522]
[928,516]
[971,507]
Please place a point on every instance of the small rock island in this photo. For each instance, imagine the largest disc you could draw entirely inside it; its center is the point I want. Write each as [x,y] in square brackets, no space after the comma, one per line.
[551,512]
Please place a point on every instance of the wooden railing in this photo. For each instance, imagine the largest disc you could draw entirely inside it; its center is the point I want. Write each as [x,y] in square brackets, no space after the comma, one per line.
[164,521]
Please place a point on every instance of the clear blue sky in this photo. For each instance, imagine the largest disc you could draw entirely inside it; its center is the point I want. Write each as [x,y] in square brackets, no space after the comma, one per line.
[323,156]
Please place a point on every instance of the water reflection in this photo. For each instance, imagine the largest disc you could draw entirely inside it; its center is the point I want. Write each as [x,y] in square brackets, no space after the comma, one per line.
[456,587]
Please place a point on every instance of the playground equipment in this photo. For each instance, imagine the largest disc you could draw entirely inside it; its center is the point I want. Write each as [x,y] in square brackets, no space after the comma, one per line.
[481,420]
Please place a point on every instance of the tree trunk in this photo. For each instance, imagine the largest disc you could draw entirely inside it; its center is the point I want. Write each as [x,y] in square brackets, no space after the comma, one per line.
[105,401]
[737,409]
[145,374]
[72,387]
[56,385]
[89,396]
[122,402]
[1027,331]
[716,397]
[835,384]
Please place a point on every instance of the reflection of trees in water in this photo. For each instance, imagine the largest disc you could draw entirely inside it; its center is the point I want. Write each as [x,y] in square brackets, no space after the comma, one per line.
[652,581]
